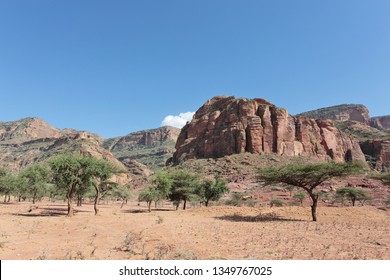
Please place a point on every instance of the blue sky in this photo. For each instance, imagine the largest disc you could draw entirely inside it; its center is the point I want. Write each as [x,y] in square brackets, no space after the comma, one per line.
[118,66]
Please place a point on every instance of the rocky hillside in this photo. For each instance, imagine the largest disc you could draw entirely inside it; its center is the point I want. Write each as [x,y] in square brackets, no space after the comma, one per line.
[382,122]
[228,125]
[27,129]
[31,140]
[344,112]
[149,147]
[373,134]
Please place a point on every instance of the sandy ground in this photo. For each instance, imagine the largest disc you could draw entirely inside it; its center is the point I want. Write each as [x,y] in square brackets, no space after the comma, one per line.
[219,232]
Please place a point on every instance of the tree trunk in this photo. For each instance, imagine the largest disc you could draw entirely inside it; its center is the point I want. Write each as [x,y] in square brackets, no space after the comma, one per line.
[314,199]
[9,198]
[96,199]
[353,202]
[206,203]
[149,206]
[185,205]
[69,197]
[34,197]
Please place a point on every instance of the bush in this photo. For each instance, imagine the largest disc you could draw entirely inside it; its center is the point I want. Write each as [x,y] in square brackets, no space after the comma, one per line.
[300,196]
[353,194]
[277,203]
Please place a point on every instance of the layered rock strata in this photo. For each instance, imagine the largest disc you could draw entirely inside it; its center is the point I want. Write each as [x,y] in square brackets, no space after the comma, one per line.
[227,125]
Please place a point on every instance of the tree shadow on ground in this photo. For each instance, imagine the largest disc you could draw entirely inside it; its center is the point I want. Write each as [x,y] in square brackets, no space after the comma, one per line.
[138,211]
[49,212]
[256,219]
[42,214]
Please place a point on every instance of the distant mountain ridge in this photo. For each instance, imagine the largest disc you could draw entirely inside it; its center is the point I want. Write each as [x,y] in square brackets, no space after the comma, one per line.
[373,133]
[27,129]
[343,112]
[30,140]
[349,112]
[151,147]
[381,122]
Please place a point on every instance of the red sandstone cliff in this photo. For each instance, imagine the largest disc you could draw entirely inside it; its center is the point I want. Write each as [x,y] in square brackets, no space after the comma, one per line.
[227,125]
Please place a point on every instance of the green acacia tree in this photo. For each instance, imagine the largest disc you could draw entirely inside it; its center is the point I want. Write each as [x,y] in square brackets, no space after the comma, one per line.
[73,171]
[9,184]
[67,175]
[352,194]
[121,192]
[163,184]
[183,187]
[36,179]
[149,195]
[307,176]
[383,177]
[99,172]
[209,190]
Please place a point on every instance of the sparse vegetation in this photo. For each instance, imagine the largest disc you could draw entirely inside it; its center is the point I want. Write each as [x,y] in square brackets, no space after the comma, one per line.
[211,190]
[307,176]
[276,202]
[353,194]
[300,196]
[383,177]
[149,195]
[183,187]
[36,178]
[72,172]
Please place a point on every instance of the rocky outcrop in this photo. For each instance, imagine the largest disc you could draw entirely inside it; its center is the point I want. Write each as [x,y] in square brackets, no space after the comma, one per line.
[149,147]
[227,125]
[27,129]
[136,168]
[32,140]
[382,122]
[377,154]
[146,138]
[344,112]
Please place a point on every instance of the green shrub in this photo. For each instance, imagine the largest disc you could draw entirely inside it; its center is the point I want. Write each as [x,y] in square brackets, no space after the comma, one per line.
[277,202]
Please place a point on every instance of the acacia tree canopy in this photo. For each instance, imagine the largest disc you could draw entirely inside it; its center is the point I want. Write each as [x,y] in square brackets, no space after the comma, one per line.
[36,178]
[307,176]
[73,171]
[209,190]
[383,177]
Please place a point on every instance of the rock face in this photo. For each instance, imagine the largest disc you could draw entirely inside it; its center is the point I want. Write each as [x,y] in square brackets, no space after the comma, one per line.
[379,154]
[149,147]
[382,122]
[227,125]
[27,129]
[344,112]
[32,140]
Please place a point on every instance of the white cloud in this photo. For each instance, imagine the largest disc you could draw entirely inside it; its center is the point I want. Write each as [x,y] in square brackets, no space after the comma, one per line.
[178,121]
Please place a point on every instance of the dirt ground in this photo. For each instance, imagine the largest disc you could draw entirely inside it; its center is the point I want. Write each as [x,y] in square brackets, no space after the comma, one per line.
[218,232]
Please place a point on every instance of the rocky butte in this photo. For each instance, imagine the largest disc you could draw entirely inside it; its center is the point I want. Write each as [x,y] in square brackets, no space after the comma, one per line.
[229,125]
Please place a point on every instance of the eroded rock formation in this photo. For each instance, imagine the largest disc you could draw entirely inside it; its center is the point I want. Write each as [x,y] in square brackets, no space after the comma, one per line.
[227,125]
[382,122]
[377,153]
[344,112]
